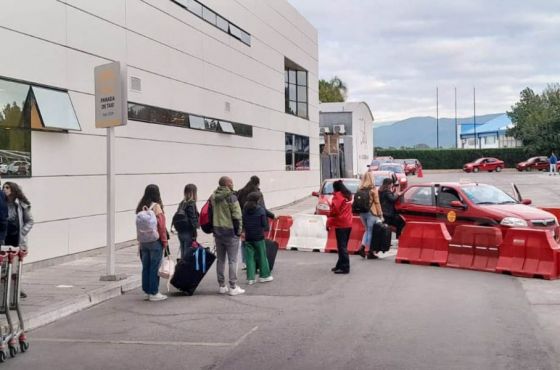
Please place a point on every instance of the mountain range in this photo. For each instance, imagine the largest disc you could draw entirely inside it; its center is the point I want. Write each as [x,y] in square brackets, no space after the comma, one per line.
[415,131]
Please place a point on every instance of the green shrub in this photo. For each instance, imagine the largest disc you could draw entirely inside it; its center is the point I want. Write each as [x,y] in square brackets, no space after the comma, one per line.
[456,158]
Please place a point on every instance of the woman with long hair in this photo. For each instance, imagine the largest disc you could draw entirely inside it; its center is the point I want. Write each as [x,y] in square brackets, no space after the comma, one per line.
[340,217]
[185,220]
[388,195]
[151,251]
[373,215]
[20,220]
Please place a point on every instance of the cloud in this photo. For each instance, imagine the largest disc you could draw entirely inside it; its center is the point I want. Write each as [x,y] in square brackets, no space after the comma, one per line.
[394,54]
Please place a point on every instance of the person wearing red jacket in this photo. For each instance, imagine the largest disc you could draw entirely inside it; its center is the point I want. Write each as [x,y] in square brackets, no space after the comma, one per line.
[340,217]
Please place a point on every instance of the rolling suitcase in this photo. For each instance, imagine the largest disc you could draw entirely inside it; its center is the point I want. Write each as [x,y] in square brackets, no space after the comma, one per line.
[271,251]
[189,272]
[381,237]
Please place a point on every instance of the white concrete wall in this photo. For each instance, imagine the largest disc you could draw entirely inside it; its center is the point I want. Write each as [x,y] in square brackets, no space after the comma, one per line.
[184,64]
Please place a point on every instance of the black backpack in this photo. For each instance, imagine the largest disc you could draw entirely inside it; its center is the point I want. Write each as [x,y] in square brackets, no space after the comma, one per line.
[362,202]
[180,221]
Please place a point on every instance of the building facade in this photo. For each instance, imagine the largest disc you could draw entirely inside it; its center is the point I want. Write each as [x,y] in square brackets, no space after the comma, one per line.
[214,88]
[491,134]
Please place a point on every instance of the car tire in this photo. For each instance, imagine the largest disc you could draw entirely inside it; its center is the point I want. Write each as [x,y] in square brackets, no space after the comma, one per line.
[475,169]
[498,169]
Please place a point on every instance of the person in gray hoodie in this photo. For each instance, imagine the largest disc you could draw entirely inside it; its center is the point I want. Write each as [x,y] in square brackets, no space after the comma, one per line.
[227,224]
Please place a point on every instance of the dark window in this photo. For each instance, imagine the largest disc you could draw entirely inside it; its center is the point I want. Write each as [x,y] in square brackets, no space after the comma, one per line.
[146,113]
[446,196]
[296,95]
[297,152]
[215,19]
[419,195]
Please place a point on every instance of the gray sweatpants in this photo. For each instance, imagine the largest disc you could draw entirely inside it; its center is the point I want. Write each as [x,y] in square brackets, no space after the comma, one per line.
[229,246]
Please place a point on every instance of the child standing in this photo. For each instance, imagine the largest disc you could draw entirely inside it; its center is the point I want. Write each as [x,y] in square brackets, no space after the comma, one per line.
[255,224]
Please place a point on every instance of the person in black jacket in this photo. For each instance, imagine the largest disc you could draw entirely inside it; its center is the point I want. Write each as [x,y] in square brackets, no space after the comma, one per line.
[186,220]
[255,223]
[3,216]
[388,196]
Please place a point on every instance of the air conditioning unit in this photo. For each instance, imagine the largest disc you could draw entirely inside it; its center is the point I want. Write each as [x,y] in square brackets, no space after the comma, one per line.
[324,130]
[339,129]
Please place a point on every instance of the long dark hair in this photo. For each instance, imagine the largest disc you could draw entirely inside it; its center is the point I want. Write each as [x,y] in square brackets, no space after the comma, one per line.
[386,185]
[250,187]
[16,193]
[339,186]
[190,192]
[151,195]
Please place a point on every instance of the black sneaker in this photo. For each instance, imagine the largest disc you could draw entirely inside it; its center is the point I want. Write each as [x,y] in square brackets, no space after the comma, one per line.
[362,251]
[340,271]
[372,256]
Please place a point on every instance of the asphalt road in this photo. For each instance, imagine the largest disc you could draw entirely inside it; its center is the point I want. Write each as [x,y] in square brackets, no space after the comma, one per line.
[381,316]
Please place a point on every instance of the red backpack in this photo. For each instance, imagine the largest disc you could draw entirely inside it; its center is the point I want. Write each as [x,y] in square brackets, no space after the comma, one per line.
[206,215]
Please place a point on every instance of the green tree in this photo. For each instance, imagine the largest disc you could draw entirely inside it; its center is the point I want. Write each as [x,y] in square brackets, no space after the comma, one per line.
[536,119]
[332,91]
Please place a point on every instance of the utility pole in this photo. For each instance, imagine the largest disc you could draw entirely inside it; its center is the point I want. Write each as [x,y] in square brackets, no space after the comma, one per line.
[474,117]
[437,118]
[456,124]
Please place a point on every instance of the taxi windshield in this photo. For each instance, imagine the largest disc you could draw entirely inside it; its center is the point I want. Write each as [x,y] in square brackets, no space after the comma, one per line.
[351,185]
[487,194]
[391,167]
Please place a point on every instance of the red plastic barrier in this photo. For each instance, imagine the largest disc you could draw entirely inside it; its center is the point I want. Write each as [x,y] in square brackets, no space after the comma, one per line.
[475,247]
[280,230]
[554,211]
[529,253]
[355,241]
[424,243]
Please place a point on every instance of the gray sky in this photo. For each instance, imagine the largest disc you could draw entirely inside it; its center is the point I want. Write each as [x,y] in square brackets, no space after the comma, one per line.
[393,54]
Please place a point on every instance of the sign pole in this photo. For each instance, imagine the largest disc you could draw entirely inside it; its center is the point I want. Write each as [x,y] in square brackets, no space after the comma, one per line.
[111,208]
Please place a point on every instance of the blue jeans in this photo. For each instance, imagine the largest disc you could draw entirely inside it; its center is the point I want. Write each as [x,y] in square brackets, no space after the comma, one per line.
[151,254]
[185,240]
[368,220]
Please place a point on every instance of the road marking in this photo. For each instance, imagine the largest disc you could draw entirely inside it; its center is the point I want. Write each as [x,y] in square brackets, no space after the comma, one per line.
[149,343]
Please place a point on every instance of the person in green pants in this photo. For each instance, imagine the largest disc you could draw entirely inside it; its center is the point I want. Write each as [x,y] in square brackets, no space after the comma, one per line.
[255,224]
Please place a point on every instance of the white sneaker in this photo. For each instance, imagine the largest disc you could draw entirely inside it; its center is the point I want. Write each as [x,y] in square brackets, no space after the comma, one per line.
[146,297]
[251,282]
[157,297]
[266,279]
[223,290]
[236,291]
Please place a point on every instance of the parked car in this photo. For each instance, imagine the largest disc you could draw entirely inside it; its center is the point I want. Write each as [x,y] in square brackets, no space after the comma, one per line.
[484,164]
[472,204]
[412,166]
[377,161]
[3,169]
[398,170]
[20,168]
[379,176]
[533,163]
[325,194]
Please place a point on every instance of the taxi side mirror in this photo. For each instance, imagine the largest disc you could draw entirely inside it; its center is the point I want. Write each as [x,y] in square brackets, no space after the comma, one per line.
[457,204]
[526,201]
[315,194]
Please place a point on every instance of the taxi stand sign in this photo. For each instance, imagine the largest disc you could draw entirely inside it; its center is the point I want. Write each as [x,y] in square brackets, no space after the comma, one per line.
[110,111]
[110,95]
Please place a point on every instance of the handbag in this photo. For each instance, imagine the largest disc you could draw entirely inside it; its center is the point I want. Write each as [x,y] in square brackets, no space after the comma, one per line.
[167,269]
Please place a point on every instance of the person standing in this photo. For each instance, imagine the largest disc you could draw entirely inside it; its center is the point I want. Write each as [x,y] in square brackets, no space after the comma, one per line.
[19,221]
[388,195]
[255,223]
[227,224]
[152,235]
[187,225]
[340,217]
[3,217]
[370,217]
[552,160]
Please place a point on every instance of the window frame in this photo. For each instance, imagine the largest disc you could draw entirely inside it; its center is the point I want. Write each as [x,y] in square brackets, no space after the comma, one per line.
[298,106]
[294,152]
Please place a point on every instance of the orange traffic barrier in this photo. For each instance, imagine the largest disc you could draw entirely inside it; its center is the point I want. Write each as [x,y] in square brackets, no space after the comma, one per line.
[280,230]
[424,243]
[355,241]
[529,253]
[475,247]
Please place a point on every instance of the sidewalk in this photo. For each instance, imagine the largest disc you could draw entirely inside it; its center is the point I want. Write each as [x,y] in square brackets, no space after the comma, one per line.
[58,291]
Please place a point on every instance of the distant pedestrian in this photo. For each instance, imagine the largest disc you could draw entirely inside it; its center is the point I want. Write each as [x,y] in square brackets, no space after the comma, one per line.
[255,223]
[185,220]
[553,161]
[388,194]
[227,224]
[3,216]
[340,217]
[372,215]
[152,236]
[20,220]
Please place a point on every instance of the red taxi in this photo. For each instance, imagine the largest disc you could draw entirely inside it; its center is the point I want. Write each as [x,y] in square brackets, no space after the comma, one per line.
[398,170]
[472,204]
[325,194]
[534,163]
[484,164]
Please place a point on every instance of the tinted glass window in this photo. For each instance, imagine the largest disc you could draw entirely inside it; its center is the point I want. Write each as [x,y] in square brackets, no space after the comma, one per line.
[209,15]
[351,185]
[446,196]
[419,195]
[226,127]
[487,194]
[222,24]
[297,152]
[296,92]
[56,109]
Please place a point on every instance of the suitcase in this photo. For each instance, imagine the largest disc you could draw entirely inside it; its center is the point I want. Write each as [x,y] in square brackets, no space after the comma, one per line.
[189,272]
[271,251]
[381,237]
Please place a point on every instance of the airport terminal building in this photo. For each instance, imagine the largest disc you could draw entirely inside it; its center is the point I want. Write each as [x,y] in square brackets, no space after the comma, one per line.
[214,88]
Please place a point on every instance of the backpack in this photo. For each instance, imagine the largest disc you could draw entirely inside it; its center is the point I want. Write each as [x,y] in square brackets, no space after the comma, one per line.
[362,202]
[206,215]
[180,220]
[146,225]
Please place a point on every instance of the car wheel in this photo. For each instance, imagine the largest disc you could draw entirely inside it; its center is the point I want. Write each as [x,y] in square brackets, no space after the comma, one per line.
[498,169]
[475,169]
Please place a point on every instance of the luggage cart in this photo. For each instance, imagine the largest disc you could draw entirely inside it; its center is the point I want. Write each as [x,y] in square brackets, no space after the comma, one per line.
[9,301]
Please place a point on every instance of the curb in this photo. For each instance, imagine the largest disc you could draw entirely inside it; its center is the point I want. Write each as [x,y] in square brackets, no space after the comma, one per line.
[70,306]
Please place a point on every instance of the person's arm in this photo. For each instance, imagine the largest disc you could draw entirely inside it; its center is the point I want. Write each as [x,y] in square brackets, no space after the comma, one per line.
[377,204]
[333,213]
[270,214]
[264,221]
[161,225]
[27,220]
[236,216]
[190,211]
